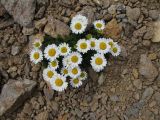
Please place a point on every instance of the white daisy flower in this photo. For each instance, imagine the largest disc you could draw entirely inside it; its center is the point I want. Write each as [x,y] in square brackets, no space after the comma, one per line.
[53,64]
[83,45]
[74,59]
[78,24]
[111,42]
[51,52]
[93,42]
[74,72]
[37,43]
[99,24]
[98,62]
[48,74]
[115,50]
[36,56]
[76,82]
[64,71]
[102,46]
[80,17]
[59,83]
[66,62]
[83,75]
[64,49]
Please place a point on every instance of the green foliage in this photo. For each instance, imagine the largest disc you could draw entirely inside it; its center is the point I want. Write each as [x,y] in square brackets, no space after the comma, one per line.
[72,40]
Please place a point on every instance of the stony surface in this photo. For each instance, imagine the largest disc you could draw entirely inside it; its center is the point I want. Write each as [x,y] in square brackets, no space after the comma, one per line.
[22,11]
[55,27]
[128,88]
[14,93]
[113,29]
[147,69]
[156,37]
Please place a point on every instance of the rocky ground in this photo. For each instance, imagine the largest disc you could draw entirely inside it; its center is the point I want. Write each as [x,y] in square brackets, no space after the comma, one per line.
[129,87]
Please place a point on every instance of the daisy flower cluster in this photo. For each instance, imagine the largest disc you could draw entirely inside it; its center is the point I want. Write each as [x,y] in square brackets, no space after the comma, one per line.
[65,58]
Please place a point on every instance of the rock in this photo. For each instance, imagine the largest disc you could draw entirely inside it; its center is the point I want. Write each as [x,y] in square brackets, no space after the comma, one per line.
[114,118]
[112,9]
[113,29]
[135,73]
[21,10]
[89,12]
[3,73]
[128,30]
[157,97]
[154,14]
[2,10]
[153,103]
[48,93]
[15,50]
[140,32]
[92,74]
[101,79]
[147,94]
[42,116]
[55,27]
[40,12]
[78,112]
[152,56]
[134,109]
[14,93]
[124,52]
[133,13]
[147,69]
[149,33]
[137,83]
[114,98]
[121,8]
[40,23]
[105,3]
[28,31]
[156,37]
[146,43]
[6,23]
[27,109]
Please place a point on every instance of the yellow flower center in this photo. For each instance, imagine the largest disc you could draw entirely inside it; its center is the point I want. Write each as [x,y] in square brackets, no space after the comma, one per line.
[37,44]
[111,44]
[52,52]
[63,49]
[54,63]
[76,81]
[74,59]
[83,45]
[102,45]
[65,71]
[74,71]
[98,25]
[36,55]
[114,49]
[59,82]
[93,44]
[98,61]
[78,26]
[50,74]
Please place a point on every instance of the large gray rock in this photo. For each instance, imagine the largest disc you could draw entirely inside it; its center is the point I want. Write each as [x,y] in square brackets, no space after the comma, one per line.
[147,69]
[22,10]
[14,93]
[133,13]
[55,27]
[89,12]
[154,14]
